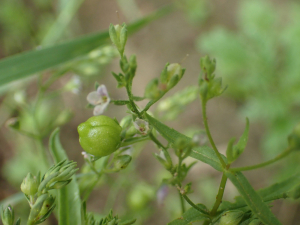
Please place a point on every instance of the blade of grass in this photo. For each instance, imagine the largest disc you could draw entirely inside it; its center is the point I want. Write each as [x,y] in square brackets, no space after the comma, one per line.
[28,63]
[69,204]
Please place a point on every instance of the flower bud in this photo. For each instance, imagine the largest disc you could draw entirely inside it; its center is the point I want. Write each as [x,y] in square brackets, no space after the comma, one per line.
[121,162]
[8,215]
[231,218]
[30,185]
[118,36]
[208,66]
[142,126]
[171,75]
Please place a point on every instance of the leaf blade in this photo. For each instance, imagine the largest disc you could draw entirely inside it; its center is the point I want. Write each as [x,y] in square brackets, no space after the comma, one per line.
[251,197]
[69,204]
[203,153]
[25,64]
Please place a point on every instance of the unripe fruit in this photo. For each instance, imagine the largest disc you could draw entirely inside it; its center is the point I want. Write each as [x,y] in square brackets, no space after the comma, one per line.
[99,135]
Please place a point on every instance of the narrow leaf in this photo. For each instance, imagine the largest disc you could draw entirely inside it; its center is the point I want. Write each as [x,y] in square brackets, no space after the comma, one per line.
[190,216]
[273,192]
[253,200]
[203,153]
[69,204]
[31,62]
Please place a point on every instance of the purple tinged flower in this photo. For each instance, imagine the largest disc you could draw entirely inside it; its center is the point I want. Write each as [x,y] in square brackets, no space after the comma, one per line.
[100,99]
[141,125]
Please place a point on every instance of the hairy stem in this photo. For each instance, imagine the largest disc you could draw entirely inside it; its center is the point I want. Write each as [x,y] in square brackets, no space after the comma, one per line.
[209,134]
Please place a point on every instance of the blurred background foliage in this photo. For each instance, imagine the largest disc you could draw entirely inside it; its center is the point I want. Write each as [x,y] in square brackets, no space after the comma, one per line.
[257,47]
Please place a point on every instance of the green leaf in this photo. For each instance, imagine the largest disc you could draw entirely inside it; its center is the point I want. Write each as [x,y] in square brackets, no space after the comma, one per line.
[273,192]
[203,153]
[190,216]
[31,62]
[252,198]
[69,204]
[239,148]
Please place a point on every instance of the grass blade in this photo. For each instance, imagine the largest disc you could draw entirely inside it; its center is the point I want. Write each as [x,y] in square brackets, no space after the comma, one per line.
[69,204]
[31,62]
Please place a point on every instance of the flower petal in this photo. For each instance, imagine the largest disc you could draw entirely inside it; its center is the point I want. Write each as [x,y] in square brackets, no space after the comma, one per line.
[94,98]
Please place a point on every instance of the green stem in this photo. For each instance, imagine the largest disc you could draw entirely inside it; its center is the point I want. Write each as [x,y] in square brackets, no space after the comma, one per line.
[220,195]
[157,142]
[277,158]
[209,134]
[181,202]
[134,140]
[152,102]
[194,205]
[130,96]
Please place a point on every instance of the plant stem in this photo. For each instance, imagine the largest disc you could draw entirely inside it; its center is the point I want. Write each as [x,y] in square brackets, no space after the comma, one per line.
[181,202]
[260,165]
[209,135]
[133,105]
[219,195]
[157,142]
[152,102]
[194,205]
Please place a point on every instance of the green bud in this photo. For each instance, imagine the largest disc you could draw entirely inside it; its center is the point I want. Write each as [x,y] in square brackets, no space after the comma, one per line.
[121,162]
[8,215]
[231,218]
[174,69]
[152,90]
[30,185]
[171,75]
[208,66]
[118,36]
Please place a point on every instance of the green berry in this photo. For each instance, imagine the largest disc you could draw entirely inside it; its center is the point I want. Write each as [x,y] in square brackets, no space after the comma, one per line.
[99,135]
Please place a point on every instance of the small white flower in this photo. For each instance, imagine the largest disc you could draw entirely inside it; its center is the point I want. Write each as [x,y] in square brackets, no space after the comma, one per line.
[100,99]
[141,125]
